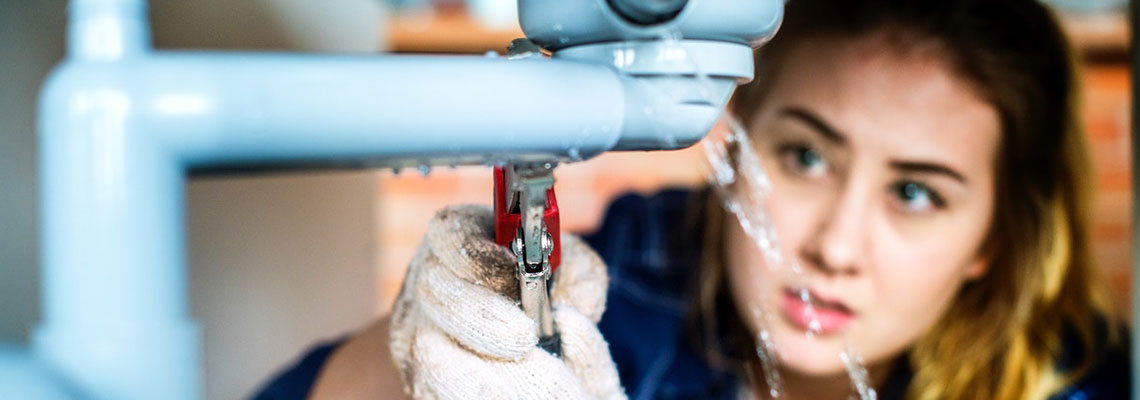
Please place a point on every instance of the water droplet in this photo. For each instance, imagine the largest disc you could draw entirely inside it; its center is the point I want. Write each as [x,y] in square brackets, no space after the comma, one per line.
[563,40]
[558,27]
[860,379]
[796,269]
[396,171]
[766,352]
[574,154]
[424,170]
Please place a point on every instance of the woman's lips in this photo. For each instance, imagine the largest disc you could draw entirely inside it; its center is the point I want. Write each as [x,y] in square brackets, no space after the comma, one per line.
[817,316]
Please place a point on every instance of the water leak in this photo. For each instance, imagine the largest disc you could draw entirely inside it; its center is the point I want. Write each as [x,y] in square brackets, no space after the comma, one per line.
[742,184]
[736,173]
[722,152]
[856,370]
[768,356]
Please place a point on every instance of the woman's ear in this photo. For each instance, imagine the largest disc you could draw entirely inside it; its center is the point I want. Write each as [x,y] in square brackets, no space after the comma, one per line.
[978,267]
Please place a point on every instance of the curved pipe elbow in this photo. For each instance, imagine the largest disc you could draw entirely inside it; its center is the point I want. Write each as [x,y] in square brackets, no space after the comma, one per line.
[674,90]
[669,113]
[26,377]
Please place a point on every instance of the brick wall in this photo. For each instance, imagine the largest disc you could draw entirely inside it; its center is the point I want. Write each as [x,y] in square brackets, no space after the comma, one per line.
[408,200]
[1106,109]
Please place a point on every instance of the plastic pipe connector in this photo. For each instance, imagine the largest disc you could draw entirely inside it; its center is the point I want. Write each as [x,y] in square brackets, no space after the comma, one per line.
[647,12]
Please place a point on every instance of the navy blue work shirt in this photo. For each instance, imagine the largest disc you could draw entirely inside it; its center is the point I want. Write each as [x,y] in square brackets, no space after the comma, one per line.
[651,246]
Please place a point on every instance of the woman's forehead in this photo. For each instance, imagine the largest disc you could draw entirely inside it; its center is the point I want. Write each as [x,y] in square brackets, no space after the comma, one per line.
[884,101]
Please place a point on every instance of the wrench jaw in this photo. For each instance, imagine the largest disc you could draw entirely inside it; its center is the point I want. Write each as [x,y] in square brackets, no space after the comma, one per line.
[526,221]
[534,292]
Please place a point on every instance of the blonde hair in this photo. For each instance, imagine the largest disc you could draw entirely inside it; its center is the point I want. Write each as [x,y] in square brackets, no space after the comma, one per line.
[1004,336]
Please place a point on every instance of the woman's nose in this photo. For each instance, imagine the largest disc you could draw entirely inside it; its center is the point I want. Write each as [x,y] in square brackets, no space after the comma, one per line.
[837,244]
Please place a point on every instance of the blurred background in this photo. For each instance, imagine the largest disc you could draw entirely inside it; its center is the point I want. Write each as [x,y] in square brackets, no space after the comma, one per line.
[278,262]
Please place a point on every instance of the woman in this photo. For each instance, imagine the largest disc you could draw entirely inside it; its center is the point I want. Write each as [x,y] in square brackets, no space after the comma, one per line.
[928,173]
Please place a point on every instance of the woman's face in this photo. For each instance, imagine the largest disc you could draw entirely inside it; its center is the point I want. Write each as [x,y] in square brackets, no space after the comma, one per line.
[882,167]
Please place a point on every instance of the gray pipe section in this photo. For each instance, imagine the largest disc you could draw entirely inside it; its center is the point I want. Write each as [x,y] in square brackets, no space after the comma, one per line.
[556,24]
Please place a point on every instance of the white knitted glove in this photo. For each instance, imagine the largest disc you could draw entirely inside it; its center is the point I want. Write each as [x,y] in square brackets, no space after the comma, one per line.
[458,333]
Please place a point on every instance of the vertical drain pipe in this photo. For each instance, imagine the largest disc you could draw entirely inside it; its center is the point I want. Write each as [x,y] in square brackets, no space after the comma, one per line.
[107,30]
[115,321]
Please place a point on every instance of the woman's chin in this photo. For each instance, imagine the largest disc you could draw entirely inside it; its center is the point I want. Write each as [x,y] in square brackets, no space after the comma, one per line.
[814,355]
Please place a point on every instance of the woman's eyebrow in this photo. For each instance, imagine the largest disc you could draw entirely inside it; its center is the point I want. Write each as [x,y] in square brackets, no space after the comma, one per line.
[817,123]
[929,168]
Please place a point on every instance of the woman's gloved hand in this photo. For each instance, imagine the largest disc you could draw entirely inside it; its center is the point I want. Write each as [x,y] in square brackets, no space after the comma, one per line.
[458,333]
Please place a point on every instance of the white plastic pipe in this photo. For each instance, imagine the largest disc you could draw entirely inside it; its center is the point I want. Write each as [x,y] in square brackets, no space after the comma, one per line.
[120,126]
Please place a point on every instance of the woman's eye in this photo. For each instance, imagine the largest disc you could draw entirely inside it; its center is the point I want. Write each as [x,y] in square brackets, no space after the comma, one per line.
[916,197]
[803,160]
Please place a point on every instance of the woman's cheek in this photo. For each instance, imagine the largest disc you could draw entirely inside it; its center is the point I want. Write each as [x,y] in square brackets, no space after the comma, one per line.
[914,284]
